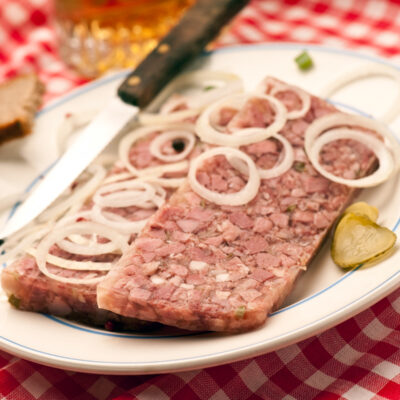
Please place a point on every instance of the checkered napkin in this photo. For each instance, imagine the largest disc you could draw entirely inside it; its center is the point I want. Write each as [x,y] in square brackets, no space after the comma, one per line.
[358,359]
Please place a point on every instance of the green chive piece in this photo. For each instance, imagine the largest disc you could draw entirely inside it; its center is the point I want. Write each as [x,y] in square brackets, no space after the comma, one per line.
[291,208]
[299,166]
[304,61]
[240,312]
[207,88]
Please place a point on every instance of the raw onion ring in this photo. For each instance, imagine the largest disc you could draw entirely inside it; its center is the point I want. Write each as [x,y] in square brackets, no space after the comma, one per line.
[54,236]
[89,249]
[153,196]
[243,196]
[386,164]
[362,72]
[73,264]
[240,137]
[304,97]
[156,145]
[118,194]
[21,240]
[275,171]
[117,222]
[336,120]
[278,87]
[284,165]
[156,171]
[75,201]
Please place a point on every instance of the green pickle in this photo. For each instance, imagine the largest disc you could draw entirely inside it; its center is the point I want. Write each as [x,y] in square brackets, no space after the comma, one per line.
[358,239]
[364,209]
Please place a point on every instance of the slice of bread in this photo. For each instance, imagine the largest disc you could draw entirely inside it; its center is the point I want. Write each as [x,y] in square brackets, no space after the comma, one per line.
[20,98]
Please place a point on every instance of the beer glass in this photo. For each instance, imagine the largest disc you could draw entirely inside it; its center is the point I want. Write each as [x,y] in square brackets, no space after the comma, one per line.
[98,35]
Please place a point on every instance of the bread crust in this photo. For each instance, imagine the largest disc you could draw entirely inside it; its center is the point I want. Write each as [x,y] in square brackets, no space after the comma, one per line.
[19,123]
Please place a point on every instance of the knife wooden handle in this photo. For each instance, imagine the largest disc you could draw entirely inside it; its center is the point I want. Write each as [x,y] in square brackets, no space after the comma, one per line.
[199,25]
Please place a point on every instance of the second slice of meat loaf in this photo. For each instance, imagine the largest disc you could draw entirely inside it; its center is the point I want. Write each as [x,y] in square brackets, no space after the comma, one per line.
[27,288]
[200,266]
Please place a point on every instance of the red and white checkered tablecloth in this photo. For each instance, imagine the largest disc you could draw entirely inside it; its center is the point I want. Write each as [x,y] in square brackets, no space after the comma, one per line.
[358,359]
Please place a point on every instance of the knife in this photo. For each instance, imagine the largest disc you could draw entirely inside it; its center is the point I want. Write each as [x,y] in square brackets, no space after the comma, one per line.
[198,26]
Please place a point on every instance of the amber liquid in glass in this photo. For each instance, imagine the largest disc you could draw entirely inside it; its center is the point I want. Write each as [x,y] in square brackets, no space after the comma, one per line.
[99,35]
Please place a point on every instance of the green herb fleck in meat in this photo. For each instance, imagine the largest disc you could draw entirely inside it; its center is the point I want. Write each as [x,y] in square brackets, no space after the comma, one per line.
[240,312]
[299,166]
[15,301]
[291,208]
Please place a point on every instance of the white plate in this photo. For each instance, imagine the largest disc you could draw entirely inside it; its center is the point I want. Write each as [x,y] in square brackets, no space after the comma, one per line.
[324,296]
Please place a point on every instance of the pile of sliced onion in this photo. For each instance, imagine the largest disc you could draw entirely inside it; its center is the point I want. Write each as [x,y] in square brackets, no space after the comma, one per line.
[223,84]
[210,134]
[243,196]
[279,87]
[17,244]
[331,127]
[139,133]
[57,236]
[365,71]
[73,200]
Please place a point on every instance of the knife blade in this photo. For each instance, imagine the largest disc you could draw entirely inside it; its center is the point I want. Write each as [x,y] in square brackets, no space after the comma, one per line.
[199,25]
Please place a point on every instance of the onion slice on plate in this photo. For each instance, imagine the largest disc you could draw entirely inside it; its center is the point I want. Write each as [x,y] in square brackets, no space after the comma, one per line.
[82,228]
[91,248]
[157,143]
[284,164]
[21,240]
[210,134]
[124,194]
[279,87]
[117,222]
[71,203]
[141,193]
[139,133]
[386,164]
[337,120]
[365,71]
[243,196]
[73,264]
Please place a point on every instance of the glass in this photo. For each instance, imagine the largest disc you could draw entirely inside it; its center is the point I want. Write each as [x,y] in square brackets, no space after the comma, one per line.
[99,35]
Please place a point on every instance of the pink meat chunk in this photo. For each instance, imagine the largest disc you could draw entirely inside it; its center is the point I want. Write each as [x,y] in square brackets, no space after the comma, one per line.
[241,261]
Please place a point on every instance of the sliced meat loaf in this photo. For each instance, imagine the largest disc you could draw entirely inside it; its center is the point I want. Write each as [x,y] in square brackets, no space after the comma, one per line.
[29,289]
[200,266]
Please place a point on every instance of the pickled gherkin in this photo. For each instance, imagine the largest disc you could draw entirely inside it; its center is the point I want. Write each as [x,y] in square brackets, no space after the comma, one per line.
[358,240]
[364,209]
